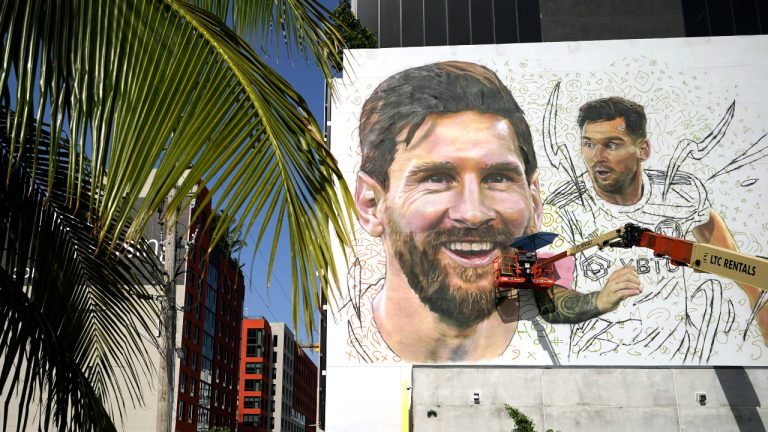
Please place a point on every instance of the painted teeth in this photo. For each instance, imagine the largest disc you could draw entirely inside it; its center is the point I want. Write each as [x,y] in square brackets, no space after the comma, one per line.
[470,246]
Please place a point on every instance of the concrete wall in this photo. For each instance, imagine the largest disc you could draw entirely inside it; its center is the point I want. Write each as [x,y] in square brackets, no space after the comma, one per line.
[590,399]
[578,20]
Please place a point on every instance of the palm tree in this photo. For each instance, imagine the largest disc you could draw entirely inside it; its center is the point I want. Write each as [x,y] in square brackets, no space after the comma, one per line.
[97,94]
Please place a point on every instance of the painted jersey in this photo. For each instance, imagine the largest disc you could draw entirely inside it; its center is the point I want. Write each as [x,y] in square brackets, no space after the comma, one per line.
[680,316]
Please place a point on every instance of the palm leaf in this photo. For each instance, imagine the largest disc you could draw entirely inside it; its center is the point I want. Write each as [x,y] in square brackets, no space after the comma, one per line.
[73,313]
[150,84]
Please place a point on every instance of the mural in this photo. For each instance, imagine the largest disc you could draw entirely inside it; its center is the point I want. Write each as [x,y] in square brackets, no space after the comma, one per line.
[454,153]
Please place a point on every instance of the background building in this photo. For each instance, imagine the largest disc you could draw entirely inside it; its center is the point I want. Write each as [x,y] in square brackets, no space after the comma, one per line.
[255,401]
[305,389]
[294,387]
[209,336]
[209,304]
[408,23]
[208,309]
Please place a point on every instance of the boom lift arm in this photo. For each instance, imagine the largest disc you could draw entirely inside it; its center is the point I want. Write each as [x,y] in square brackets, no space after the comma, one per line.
[701,257]
[525,270]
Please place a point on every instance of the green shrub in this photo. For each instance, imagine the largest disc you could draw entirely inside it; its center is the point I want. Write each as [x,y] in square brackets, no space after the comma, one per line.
[523,423]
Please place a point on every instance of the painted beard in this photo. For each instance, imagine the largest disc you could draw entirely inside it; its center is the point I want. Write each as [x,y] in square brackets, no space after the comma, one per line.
[429,278]
[620,182]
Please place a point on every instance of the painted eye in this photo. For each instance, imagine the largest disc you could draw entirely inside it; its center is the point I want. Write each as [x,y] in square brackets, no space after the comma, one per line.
[588,144]
[497,178]
[438,179]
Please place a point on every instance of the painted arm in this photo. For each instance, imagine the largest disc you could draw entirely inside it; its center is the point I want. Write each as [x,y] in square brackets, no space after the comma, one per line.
[573,307]
[716,233]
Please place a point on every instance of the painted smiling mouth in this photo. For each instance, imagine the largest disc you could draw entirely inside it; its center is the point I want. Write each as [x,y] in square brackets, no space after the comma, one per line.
[470,249]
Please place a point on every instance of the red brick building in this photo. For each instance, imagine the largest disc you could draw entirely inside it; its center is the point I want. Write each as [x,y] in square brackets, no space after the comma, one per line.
[210,334]
[305,389]
[255,376]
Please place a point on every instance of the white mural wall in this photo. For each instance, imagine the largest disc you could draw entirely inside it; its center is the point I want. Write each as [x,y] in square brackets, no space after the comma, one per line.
[706,102]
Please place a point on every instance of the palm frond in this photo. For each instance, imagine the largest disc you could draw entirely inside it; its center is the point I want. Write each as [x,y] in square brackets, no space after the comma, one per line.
[301,25]
[142,84]
[73,313]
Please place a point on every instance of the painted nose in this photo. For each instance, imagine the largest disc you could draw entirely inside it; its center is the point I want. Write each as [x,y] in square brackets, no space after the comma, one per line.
[599,153]
[471,210]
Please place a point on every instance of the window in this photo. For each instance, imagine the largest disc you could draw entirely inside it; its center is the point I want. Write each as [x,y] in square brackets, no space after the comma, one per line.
[202,419]
[252,385]
[252,402]
[186,328]
[180,415]
[191,413]
[213,275]
[207,365]
[251,419]
[253,368]
[205,394]
[192,386]
[210,321]
[182,383]
[210,299]
[254,343]
[207,344]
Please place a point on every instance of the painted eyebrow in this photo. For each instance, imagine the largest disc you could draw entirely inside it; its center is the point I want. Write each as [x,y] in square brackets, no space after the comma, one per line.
[608,138]
[427,168]
[419,170]
[513,168]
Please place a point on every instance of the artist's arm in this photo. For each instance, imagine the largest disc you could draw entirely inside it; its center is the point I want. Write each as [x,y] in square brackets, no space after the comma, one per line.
[572,307]
[716,233]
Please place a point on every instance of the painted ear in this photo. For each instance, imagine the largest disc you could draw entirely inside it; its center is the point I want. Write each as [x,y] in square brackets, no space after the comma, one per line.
[533,185]
[645,149]
[368,194]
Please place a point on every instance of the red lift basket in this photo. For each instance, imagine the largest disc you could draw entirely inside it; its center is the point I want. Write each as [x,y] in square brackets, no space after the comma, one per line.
[512,272]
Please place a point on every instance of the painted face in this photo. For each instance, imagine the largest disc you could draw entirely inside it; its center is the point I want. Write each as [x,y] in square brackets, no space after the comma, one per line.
[457,197]
[611,155]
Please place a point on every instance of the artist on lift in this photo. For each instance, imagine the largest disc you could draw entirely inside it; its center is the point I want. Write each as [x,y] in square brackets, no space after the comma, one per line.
[524,269]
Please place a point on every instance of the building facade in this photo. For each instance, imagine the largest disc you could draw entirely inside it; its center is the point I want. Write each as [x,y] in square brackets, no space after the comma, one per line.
[209,324]
[294,386]
[208,313]
[408,23]
[278,380]
[305,389]
[254,403]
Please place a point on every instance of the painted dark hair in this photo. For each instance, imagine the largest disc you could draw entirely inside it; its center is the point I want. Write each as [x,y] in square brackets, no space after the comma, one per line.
[404,100]
[613,107]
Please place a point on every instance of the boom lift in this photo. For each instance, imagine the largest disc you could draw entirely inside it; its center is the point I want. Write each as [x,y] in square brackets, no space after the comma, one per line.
[524,269]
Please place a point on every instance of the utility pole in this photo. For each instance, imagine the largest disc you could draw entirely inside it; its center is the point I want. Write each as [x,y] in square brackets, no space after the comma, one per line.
[167,372]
